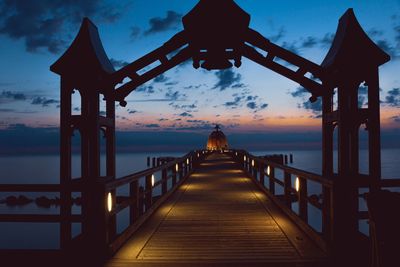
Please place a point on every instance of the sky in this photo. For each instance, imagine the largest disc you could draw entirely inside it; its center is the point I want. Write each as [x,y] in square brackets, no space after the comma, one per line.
[246,100]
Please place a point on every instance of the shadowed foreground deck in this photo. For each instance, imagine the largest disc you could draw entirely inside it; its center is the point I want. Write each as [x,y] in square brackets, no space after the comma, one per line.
[219,217]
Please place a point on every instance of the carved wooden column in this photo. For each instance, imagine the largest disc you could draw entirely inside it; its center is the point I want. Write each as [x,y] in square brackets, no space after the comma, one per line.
[85,67]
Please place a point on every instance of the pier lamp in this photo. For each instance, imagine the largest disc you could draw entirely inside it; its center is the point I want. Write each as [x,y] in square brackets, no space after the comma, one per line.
[152,180]
[236,153]
[187,161]
[109,202]
[176,167]
[244,158]
[297,184]
[268,170]
[198,154]
[252,163]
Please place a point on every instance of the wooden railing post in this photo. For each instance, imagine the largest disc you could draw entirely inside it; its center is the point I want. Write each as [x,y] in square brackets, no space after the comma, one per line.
[174,174]
[327,213]
[272,180]
[148,192]
[140,199]
[134,208]
[261,169]
[254,166]
[164,183]
[303,199]
[288,189]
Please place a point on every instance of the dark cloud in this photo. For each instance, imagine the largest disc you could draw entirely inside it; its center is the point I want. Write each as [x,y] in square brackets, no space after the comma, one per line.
[252,105]
[292,47]
[131,111]
[12,96]
[171,21]
[103,113]
[186,114]
[278,36]
[299,92]
[174,95]
[118,63]
[309,42]
[393,97]
[396,119]
[7,110]
[188,108]
[227,79]
[302,93]
[152,125]
[362,96]
[161,79]
[388,48]
[39,100]
[327,40]
[45,24]
[163,119]
[148,89]
[235,103]
[135,32]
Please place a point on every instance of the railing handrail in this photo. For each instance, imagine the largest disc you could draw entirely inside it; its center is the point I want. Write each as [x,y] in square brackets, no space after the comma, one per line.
[136,176]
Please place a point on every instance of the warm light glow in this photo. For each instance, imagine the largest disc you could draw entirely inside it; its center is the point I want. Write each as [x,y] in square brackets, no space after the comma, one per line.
[177,167]
[297,184]
[244,158]
[268,170]
[252,163]
[187,161]
[236,153]
[152,180]
[198,154]
[109,202]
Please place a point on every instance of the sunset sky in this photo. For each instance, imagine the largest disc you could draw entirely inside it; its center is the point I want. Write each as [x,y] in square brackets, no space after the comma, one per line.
[33,34]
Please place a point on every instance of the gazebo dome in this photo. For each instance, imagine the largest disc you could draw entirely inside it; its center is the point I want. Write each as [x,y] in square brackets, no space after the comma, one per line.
[217,140]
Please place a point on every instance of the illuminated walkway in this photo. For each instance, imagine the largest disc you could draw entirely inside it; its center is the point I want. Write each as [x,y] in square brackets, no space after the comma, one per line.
[218,218]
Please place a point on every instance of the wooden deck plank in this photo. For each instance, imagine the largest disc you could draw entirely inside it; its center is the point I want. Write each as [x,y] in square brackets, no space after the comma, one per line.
[218,216]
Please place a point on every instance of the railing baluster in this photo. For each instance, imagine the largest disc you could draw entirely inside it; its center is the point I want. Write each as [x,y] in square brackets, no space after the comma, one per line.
[287,189]
[174,172]
[149,192]
[303,199]
[326,213]
[134,208]
[164,183]
[272,180]
[261,170]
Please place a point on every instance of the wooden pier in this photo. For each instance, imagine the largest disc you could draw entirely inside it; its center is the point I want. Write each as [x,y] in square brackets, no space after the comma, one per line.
[219,216]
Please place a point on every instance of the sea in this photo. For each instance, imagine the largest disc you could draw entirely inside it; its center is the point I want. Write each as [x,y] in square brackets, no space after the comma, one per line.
[44,169]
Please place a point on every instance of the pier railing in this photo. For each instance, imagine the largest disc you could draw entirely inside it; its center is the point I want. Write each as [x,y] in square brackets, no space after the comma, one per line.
[140,194]
[289,188]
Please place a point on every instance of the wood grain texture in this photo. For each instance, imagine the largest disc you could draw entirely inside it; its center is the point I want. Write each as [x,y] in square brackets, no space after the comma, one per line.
[218,218]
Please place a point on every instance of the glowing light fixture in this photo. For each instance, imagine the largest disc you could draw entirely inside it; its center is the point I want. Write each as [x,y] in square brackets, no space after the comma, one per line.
[244,158]
[252,163]
[268,170]
[187,161]
[109,202]
[297,184]
[177,167]
[198,154]
[152,180]
[236,153]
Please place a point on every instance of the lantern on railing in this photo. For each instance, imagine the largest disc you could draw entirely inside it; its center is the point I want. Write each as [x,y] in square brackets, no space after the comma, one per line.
[176,167]
[252,163]
[268,170]
[109,202]
[297,184]
[244,158]
[152,180]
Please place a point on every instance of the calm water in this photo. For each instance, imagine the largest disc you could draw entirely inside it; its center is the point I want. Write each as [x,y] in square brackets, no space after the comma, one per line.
[45,169]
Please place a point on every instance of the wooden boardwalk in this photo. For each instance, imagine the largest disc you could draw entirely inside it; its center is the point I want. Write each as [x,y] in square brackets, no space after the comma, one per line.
[219,217]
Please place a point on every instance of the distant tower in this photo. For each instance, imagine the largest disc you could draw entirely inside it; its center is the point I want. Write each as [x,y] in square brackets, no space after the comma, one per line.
[217,140]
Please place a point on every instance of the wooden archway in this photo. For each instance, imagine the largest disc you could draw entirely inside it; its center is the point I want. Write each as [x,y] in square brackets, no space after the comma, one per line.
[215,34]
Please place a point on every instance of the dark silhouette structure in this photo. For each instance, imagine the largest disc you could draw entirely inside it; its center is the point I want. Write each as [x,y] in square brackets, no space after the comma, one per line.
[216,35]
[217,140]
[216,32]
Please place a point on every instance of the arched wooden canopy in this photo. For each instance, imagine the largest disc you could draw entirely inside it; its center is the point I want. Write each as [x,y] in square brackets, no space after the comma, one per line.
[216,35]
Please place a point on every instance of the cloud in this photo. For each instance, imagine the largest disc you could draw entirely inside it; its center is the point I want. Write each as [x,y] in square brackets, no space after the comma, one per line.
[302,93]
[235,103]
[299,92]
[38,100]
[132,111]
[148,89]
[309,42]
[118,63]
[188,108]
[12,96]
[158,24]
[393,97]
[227,79]
[186,114]
[278,36]
[251,105]
[152,125]
[174,95]
[135,32]
[396,119]
[327,40]
[161,79]
[45,24]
